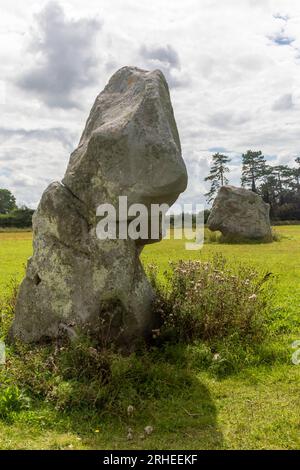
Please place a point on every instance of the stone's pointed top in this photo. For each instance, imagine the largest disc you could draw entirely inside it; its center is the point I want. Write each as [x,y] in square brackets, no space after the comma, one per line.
[239,212]
[126,72]
[126,91]
[130,145]
[125,76]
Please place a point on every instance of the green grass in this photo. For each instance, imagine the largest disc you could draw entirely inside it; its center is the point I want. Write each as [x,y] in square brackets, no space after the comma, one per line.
[15,249]
[257,407]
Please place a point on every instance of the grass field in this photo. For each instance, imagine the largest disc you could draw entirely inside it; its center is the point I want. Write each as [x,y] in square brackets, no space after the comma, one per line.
[257,407]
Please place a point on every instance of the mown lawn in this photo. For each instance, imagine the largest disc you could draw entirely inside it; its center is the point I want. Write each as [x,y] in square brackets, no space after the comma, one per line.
[15,249]
[257,407]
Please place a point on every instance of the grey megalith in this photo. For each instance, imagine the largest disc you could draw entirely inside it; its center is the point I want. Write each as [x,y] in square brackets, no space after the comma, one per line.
[130,146]
[239,212]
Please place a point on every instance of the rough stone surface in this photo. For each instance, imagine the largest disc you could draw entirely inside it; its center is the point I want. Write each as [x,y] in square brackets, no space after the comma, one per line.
[130,146]
[240,212]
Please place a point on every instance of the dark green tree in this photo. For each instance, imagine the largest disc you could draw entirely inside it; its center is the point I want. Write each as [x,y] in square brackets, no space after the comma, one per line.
[283,175]
[280,187]
[253,169]
[269,188]
[296,175]
[217,175]
[7,201]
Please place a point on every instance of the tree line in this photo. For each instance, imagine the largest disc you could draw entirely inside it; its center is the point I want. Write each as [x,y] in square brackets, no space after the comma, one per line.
[278,185]
[10,214]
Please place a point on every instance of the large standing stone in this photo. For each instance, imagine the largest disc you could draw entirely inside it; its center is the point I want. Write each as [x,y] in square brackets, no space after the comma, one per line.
[130,147]
[238,212]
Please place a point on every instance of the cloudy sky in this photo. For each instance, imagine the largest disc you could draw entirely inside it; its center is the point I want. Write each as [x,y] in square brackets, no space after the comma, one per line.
[233,68]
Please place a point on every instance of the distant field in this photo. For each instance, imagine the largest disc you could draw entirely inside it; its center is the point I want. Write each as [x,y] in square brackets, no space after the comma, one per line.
[258,408]
[15,249]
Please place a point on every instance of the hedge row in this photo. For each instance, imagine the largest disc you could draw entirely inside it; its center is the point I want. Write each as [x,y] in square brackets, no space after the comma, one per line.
[19,218]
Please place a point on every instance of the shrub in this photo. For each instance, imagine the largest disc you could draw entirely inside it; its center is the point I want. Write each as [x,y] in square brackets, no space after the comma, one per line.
[211,237]
[20,218]
[72,376]
[7,307]
[12,399]
[276,236]
[210,300]
[83,360]
[289,210]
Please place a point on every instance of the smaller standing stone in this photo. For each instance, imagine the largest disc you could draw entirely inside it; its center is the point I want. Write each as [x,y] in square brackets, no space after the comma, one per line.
[239,212]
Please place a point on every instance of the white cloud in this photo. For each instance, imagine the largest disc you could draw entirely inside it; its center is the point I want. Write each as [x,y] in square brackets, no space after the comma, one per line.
[238,79]
[284,102]
[63,57]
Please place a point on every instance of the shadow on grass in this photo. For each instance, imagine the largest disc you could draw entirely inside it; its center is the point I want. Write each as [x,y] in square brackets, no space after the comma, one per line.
[181,418]
[185,419]
[69,398]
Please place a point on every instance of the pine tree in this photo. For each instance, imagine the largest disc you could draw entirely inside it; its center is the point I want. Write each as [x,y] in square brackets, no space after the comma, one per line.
[283,175]
[296,174]
[217,174]
[253,169]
